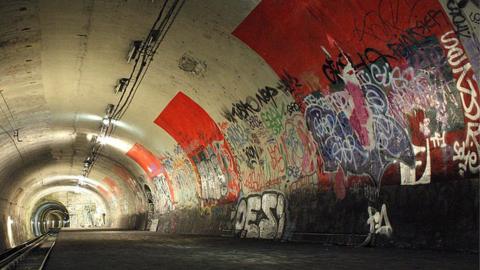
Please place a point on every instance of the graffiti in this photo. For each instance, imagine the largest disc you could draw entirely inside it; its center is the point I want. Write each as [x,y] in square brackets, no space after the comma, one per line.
[456,56]
[395,102]
[438,140]
[305,183]
[339,139]
[465,17]
[412,90]
[408,175]
[182,175]
[213,168]
[300,149]
[253,158]
[468,88]
[288,84]
[333,69]
[475,17]
[260,178]
[378,223]
[273,119]
[293,108]
[428,53]
[458,18]
[213,182]
[469,159]
[408,40]
[276,154]
[251,105]
[217,172]
[165,202]
[424,127]
[378,74]
[237,135]
[189,124]
[253,121]
[293,172]
[261,216]
[381,24]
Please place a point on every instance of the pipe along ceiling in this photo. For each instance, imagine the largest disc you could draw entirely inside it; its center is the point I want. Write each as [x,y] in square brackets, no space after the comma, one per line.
[262,119]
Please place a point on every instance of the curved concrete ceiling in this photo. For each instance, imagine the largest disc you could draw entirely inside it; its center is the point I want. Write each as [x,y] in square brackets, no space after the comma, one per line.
[53,53]
[241,97]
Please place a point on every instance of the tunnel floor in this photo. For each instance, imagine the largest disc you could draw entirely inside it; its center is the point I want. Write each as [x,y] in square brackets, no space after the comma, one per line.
[147,250]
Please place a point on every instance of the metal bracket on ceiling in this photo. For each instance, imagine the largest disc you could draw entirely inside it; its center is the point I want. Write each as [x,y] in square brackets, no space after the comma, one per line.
[16,135]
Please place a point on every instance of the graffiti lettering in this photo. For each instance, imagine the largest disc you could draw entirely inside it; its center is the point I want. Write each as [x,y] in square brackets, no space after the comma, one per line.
[340,145]
[165,201]
[251,153]
[438,140]
[469,159]
[378,223]
[217,172]
[261,216]
[475,17]
[468,88]
[408,175]
[333,69]
[251,105]
[292,108]
[300,149]
[273,118]
[458,19]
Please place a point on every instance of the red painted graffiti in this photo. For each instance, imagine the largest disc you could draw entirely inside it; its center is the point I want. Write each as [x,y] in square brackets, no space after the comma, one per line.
[150,164]
[189,124]
[201,139]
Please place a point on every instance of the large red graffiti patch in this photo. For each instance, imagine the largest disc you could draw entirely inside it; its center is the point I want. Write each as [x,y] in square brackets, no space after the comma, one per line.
[150,164]
[201,139]
[111,184]
[292,33]
[148,161]
[189,124]
[326,48]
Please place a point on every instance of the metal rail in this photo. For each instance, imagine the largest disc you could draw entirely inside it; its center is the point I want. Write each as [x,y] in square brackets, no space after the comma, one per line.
[12,258]
[45,259]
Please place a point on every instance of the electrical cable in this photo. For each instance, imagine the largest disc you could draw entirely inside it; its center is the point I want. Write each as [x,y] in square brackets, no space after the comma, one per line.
[14,143]
[136,59]
[152,42]
[4,113]
[155,50]
[147,58]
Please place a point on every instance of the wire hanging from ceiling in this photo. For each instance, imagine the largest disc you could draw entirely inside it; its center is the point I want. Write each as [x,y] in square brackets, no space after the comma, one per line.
[13,126]
[149,47]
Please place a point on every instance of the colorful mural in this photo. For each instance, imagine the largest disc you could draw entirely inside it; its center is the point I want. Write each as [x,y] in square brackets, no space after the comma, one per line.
[380,96]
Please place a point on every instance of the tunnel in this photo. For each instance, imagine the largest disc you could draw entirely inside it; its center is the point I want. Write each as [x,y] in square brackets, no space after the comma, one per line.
[251,134]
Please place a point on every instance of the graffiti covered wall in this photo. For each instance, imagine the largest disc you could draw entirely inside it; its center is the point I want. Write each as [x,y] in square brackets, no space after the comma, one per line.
[371,135]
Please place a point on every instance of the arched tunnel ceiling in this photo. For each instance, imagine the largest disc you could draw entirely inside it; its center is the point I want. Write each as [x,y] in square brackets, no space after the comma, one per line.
[66,45]
[244,100]
[54,51]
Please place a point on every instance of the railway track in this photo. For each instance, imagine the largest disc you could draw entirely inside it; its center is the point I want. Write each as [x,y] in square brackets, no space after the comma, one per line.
[30,255]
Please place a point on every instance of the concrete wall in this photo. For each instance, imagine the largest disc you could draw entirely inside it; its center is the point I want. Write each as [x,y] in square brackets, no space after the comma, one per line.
[372,129]
[349,122]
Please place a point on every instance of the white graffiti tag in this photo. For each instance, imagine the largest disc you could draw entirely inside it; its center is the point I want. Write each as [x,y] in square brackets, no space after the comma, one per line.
[261,216]
[468,151]
[378,223]
[468,158]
